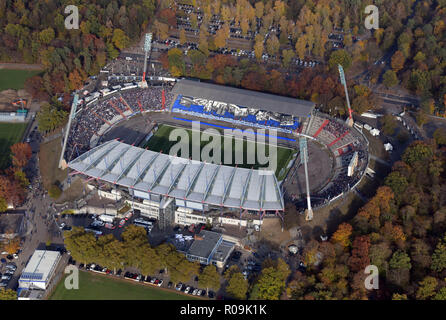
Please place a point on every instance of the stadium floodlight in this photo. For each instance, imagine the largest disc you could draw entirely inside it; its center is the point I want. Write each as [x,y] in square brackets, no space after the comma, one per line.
[304,159]
[344,83]
[147,49]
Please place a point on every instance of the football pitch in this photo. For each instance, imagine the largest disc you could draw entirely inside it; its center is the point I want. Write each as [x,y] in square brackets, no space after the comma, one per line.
[99,287]
[15,79]
[10,133]
[248,149]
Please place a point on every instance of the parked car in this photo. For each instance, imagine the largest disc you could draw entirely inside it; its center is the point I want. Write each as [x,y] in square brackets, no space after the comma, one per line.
[195,292]
[122,223]
[187,290]
[203,293]
[148,279]
[110,226]
[211,294]
[160,282]
[179,286]
[170,284]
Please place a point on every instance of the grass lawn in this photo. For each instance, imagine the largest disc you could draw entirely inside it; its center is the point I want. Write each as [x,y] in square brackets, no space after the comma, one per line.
[160,142]
[49,155]
[98,287]
[10,133]
[15,79]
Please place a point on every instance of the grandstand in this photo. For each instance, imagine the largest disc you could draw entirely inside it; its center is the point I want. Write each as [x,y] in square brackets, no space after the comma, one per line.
[143,173]
[238,106]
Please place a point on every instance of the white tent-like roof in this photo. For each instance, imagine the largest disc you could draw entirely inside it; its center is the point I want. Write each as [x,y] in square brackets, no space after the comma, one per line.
[152,172]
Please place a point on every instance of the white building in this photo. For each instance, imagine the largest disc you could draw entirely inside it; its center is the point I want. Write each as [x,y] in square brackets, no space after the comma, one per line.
[39,270]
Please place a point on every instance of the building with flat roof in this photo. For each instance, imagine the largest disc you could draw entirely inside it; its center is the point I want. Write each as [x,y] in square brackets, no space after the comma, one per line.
[209,247]
[39,270]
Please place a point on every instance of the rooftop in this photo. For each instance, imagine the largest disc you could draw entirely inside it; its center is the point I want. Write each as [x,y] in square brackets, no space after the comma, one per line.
[152,172]
[205,246]
[40,266]
[244,98]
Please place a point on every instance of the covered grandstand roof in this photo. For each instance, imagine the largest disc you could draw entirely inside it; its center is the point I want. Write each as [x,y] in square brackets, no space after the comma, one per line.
[244,98]
[153,172]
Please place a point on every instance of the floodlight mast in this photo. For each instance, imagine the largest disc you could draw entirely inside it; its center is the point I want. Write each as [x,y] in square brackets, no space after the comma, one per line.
[147,49]
[349,120]
[304,158]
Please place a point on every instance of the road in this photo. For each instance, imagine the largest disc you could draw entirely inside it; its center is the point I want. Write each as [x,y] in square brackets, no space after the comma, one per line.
[38,211]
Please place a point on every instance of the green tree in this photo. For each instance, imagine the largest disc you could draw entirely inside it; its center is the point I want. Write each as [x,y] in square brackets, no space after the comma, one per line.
[439,256]
[81,244]
[427,288]
[50,117]
[440,136]
[269,286]
[390,79]
[47,35]
[441,295]
[237,286]
[400,260]
[120,39]
[8,294]
[417,152]
[341,57]
[287,57]
[209,278]
[388,124]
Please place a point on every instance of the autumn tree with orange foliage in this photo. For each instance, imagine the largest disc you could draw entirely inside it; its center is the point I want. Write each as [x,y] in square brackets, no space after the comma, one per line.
[21,153]
[342,235]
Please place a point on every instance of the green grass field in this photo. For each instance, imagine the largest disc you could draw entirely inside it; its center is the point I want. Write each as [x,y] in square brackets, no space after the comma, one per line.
[160,142]
[97,287]
[10,133]
[15,79]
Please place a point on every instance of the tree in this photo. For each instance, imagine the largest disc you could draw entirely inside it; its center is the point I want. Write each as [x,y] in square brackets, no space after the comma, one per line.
[397,61]
[421,118]
[120,39]
[176,62]
[360,254]
[439,256]
[287,57]
[272,45]
[342,235]
[237,286]
[258,50]
[50,118]
[8,294]
[440,136]
[301,44]
[221,36]
[269,286]
[341,57]
[388,124]
[21,153]
[441,295]
[390,79]
[400,260]
[81,244]
[47,35]
[427,288]
[417,152]
[209,278]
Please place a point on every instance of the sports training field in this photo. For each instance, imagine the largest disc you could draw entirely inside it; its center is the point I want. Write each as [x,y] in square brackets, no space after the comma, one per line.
[98,287]
[10,133]
[15,79]
[160,142]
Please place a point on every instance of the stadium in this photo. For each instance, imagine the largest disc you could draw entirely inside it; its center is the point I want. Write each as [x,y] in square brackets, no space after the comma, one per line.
[117,140]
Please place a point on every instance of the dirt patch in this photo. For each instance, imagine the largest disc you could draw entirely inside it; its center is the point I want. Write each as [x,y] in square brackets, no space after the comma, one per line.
[74,192]
[49,162]
[10,95]
[272,231]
